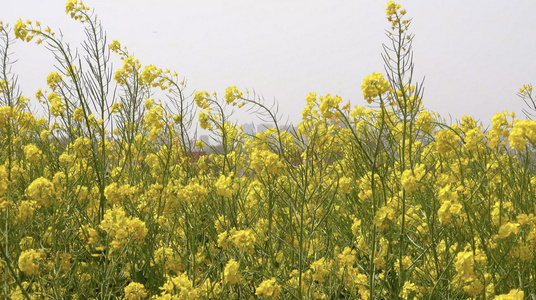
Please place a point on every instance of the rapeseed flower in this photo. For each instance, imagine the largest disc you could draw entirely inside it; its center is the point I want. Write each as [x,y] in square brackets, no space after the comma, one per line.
[26,210]
[41,191]
[57,107]
[225,186]
[170,260]
[321,268]
[20,29]
[121,228]
[231,274]
[135,291]
[522,133]
[115,46]
[410,178]
[53,79]
[149,74]
[232,94]
[29,261]
[374,86]
[243,240]
[507,229]
[514,294]
[268,289]
[525,89]
[392,7]
[4,183]
[32,153]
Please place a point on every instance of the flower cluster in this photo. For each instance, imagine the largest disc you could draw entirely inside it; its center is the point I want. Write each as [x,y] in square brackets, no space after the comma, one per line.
[374,86]
[77,10]
[110,196]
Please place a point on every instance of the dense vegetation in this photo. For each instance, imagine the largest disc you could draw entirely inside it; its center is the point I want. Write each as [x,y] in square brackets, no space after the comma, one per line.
[105,197]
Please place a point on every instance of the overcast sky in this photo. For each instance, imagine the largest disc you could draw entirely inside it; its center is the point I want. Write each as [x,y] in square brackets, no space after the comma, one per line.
[474,55]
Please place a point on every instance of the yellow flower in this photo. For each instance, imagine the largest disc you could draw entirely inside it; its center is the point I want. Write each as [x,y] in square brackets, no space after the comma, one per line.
[374,86]
[29,261]
[74,8]
[41,191]
[6,113]
[347,257]
[268,289]
[26,243]
[265,159]
[526,89]
[78,114]
[88,234]
[410,179]
[180,285]
[465,263]
[345,184]
[193,193]
[243,240]
[116,107]
[56,106]
[130,66]
[223,240]
[225,186]
[522,132]
[53,79]
[44,135]
[150,73]
[356,227]
[446,141]
[81,146]
[4,86]
[118,193]
[204,118]
[230,273]
[170,260]
[135,291]
[199,144]
[3,180]
[26,210]
[513,295]
[507,229]
[474,287]
[392,7]
[232,94]
[115,46]
[20,30]
[321,269]
[32,153]
[69,6]
[201,99]
[383,214]
[65,259]
[327,103]
[121,228]
[407,289]
[523,252]
[424,121]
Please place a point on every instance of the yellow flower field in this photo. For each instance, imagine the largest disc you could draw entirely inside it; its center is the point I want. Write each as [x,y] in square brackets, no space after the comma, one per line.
[108,194]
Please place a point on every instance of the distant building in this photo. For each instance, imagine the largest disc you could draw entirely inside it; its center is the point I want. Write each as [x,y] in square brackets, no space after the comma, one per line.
[289,128]
[205,138]
[262,127]
[197,154]
[249,128]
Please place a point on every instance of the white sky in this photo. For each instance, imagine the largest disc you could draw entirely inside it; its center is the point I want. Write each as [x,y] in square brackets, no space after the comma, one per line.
[475,54]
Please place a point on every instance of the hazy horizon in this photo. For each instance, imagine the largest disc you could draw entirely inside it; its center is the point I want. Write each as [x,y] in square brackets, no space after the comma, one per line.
[474,57]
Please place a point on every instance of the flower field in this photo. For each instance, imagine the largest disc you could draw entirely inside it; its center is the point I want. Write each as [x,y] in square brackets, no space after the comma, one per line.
[106,193]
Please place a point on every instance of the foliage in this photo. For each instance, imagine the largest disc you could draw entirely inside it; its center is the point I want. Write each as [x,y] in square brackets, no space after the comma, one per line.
[104,197]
